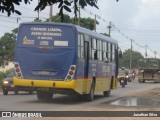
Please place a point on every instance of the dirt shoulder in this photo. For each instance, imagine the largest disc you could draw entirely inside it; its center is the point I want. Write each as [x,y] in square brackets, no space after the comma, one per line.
[146,94]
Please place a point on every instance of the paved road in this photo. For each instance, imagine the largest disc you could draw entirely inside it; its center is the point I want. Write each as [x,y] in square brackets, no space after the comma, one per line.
[25,102]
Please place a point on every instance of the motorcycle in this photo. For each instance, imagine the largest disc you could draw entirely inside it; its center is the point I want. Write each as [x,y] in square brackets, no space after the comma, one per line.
[133,76]
[123,80]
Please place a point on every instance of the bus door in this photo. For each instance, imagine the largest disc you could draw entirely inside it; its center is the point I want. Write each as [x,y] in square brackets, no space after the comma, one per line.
[86,57]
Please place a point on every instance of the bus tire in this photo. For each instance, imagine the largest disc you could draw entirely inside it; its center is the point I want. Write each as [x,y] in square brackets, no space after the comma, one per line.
[30,92]
[89,97]
[40,95]
[107,93]
[16,92]
[48,95]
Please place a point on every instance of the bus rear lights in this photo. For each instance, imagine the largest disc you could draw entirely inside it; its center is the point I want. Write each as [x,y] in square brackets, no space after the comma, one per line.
[19,75]
[69,77]
[16,65]
[17,70]
[72,67]
[71,72]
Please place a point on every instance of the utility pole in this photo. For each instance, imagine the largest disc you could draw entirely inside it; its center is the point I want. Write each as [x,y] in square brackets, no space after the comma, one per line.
[38,11]
[79,14]
[50,13]
[155,54]
[146,51]
[109,28]
[95,23]
[131,55]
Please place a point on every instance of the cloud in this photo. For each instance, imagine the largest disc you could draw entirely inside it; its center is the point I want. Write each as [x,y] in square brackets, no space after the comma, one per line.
[148,11]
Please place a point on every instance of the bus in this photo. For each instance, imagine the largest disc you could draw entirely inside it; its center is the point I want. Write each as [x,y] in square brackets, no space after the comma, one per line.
[65,59]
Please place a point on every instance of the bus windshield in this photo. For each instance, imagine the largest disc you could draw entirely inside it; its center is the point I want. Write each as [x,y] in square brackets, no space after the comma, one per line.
[45,51]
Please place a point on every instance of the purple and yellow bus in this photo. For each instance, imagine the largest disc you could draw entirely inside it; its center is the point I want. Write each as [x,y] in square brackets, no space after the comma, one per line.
[66,59]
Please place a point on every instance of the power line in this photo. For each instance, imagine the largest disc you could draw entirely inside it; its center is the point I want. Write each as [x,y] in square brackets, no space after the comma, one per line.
[116,28]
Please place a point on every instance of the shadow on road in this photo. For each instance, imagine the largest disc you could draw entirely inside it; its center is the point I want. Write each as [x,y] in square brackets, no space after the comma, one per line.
[66,100]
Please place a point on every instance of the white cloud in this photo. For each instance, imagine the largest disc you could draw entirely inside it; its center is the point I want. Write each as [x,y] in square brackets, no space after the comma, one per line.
[148,11]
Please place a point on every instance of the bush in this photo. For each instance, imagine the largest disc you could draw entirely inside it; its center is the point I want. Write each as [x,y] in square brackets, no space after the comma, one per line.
[2,76]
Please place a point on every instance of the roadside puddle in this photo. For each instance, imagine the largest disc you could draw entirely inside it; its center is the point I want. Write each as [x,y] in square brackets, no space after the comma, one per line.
[135,101]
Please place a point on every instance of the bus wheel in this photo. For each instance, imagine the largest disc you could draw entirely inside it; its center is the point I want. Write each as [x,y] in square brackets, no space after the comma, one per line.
[90,96]
[40,95]
[30,92]
[48,95]
[106,93]
[16,92]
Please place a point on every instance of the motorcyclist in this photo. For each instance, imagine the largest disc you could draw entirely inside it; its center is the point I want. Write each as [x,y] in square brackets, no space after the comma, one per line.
[133,74]
[122,73]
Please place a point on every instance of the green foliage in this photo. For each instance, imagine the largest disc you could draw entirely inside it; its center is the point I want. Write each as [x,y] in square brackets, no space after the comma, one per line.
[7,45]
[57,18]
[106,34]
[9,5]
[37,20]
[125,61]
[84,22]
[87,23]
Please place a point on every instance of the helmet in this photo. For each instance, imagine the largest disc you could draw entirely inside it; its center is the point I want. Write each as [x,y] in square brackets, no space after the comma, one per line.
[123,68]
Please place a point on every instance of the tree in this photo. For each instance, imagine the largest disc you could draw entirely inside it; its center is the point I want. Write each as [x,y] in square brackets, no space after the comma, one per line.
[106,34]
[37,20]
[84,22]
[87,23]
[7,45]
[9,5]
[125,61]
[57,18]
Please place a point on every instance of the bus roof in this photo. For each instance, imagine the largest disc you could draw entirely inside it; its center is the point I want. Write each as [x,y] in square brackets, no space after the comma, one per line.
[95,34]
[79,29]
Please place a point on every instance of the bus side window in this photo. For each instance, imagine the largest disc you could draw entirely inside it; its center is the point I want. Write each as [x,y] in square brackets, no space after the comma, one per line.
[95,55]
[104,51]
[94,49]
[109,53]
[99,48]
[80,46]
[113,52]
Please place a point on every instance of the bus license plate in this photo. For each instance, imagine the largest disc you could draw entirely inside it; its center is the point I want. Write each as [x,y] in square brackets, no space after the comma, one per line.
[44,73]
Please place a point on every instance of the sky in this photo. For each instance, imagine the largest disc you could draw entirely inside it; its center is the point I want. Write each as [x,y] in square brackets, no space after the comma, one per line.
[137,20]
